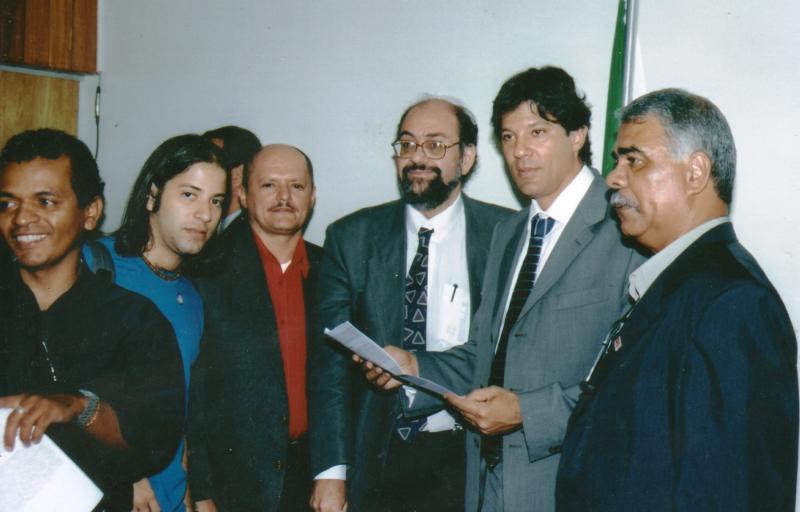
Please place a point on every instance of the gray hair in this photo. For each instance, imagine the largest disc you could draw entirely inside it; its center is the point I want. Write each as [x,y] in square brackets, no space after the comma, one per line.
[691,123]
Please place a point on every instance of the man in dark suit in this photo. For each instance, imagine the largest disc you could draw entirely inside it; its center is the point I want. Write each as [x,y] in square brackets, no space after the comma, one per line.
[248,447]
[406,272]
[693,403]
[554,280]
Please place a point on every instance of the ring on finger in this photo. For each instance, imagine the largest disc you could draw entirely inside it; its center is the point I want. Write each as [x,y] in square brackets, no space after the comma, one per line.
[19,409]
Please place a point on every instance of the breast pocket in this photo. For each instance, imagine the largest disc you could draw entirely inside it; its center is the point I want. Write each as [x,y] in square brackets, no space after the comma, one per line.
[582,298]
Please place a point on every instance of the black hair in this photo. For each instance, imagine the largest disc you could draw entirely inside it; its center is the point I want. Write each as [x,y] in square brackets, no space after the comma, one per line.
[238,143]
[169,159]
[553,92]
[53,144]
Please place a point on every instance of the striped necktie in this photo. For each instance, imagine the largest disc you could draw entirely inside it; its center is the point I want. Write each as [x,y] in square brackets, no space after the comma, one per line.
[540,227]
[492,446]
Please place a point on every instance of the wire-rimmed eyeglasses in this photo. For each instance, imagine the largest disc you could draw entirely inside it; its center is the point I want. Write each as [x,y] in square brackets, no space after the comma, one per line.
[433,149]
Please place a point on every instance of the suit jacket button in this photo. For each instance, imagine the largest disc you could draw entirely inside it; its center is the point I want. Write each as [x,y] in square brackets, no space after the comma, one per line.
[285,418]
[554,449]
[278,464]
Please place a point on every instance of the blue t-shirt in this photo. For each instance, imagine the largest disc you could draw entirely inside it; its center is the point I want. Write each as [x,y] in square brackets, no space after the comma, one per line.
[180,303]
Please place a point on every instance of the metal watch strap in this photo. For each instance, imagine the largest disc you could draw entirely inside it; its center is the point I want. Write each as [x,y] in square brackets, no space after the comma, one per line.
[91,408]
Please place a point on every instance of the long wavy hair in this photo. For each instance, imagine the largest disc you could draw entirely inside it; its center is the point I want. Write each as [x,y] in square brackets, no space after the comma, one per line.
[169,159]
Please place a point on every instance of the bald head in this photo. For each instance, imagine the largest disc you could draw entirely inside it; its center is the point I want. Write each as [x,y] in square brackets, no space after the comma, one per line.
[467,128]
[278,153]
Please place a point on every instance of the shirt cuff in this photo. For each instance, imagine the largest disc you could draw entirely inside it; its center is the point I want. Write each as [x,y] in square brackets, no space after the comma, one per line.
[335,473]
[411,393]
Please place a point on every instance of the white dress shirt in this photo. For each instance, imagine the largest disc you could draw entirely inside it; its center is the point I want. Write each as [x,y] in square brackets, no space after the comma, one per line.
[448,310]
[561,212]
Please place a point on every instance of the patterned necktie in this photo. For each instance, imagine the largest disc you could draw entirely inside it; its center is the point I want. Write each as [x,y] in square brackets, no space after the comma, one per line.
[492,446]
[416,303]
[415,320]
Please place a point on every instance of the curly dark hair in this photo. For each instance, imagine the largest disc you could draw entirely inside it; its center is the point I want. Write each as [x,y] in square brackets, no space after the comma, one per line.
[553,92]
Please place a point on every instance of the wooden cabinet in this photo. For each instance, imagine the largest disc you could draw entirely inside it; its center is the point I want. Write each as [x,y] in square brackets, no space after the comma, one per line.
[32,101]
[50,34]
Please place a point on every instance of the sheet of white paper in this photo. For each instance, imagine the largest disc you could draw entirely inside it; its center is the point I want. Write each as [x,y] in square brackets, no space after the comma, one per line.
[353,339]
[42,477]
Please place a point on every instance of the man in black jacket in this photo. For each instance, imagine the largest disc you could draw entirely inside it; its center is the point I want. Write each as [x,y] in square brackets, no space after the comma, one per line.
[92,365]
[248,448]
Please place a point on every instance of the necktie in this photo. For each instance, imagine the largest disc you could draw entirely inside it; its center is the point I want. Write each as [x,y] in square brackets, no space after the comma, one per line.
[415,319]
[540,227]
[416,303]
[492,446]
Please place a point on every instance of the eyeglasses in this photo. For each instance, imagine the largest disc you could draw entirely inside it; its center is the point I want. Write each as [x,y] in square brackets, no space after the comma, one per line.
[433,149]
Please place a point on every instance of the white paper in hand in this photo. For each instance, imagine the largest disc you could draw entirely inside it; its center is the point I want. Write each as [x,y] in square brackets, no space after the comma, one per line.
[42,477]
[358,342]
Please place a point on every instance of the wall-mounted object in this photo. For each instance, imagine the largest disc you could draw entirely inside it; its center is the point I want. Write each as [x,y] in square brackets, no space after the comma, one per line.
[50,34]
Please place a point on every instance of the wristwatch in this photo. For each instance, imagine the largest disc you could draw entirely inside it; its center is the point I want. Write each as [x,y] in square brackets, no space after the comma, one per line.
[88,415]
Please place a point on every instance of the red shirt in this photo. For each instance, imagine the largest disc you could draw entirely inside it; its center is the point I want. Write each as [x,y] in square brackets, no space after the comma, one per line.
[286,292]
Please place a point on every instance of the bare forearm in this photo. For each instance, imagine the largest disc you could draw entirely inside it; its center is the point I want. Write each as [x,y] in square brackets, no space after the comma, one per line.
[105,427]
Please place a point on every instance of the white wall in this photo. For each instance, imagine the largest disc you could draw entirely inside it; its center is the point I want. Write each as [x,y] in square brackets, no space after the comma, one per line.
[332,77]
[743,56]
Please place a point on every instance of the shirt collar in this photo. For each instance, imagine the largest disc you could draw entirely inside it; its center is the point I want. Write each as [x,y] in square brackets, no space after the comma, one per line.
[442,224]
[644,276]
[567,201]
[299,258]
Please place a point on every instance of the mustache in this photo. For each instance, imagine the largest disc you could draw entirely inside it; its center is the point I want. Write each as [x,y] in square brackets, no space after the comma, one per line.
[419,167]
[617,200]
[282,203]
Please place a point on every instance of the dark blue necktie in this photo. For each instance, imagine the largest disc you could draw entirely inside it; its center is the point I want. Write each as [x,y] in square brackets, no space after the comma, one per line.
[491,446]
[415,319]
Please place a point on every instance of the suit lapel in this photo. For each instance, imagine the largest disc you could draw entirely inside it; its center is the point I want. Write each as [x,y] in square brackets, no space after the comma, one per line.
[251,283]
[386,269]
[478,237]
[507,266]
[649,306]
[578,232]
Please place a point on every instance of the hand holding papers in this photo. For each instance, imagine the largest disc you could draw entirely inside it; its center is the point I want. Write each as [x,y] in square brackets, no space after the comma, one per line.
[42,477]
[356,341]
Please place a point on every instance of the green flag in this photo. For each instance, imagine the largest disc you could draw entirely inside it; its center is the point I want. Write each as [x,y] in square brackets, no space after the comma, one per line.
[616,85]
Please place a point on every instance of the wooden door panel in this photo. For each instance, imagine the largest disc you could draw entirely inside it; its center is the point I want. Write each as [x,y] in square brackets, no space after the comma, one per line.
[32,101]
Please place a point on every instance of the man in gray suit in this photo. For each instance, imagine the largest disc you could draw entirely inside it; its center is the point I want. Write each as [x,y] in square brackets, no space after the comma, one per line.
[405,272]
[555,280]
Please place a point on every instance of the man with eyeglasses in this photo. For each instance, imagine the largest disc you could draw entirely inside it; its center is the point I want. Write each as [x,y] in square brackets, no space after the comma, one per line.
[407,273]
[555,280]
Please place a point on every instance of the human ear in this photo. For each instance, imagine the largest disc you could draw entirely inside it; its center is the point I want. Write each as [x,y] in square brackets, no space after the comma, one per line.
[151,197]
[698,172]
[468,156]
[578,138]
[92,213]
